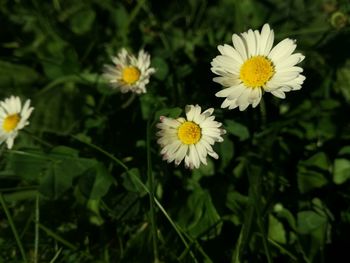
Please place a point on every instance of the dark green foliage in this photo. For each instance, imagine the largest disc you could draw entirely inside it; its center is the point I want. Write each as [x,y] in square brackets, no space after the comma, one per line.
[279,190]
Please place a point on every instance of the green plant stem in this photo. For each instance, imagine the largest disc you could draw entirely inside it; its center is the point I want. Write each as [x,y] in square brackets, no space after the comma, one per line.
[60,239]
[13,227]
[37,220]
[255,193]
[39,140]
[151,192]
[161,208]
[56,256]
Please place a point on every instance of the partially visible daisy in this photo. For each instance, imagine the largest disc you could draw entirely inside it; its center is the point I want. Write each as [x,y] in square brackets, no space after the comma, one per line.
[191,138]
[252,66]
[13,117]
[128,72]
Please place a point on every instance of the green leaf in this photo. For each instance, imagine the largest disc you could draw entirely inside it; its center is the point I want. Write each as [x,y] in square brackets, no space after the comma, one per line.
[309,221]
[276,230]
[237,129]
[168,112]
[341,171]
[95,183]
[284,213]
[236,202]
[204,170]
[318,160]
[16,75]
[130,182]
[309,180]
[65,165]
[56,181]
[226,150]
[28,164]
[200,217]
[82,21]
[345,150]
[343,78]
[161,67]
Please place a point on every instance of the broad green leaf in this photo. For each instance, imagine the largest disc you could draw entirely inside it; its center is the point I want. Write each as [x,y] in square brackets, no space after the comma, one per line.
[65,165]
[284,213]
[200,217]
[95,183]
[309,221]
[95,216]
[168,112]
[29,164]
[236,202]
[204,170]
[318,160]
[56,181]
[131,183]
[345,150]
[161,68]
[226,152]
[237,129]
[309,180]
[15,75]
[276,230]
[341,170]
[82,21]
[343,78]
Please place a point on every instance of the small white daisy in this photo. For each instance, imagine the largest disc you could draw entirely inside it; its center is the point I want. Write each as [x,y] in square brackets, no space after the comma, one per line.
[190,139]
[13,117]
[252,66]
[128,72]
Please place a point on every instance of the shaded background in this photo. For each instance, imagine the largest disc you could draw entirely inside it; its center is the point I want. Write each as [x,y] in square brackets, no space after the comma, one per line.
[283,171]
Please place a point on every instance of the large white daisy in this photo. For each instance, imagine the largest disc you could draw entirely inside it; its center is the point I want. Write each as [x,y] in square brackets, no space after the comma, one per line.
[13,117]
[191,138]
[252,66]
[128,72]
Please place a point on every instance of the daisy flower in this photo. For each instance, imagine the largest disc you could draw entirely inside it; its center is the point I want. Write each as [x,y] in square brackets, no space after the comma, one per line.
[13,117]
[252,66]
[191,138]
[128,72]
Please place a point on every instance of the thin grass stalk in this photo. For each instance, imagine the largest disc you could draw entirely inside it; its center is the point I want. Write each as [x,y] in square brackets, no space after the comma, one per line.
[151,193]
[13,228]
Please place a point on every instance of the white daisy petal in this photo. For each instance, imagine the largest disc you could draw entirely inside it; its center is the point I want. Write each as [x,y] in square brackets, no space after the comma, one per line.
[13,117]
[192,139]
[252,65]
[129,74]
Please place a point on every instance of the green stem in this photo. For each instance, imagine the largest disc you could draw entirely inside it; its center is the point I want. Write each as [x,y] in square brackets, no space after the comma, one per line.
[36,239]
[36,138]
[151,192]
[60,239]
[13,227]
[161,208]
[255,185]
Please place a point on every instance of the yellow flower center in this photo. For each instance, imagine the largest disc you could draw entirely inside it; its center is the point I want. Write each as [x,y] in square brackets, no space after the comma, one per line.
[189,132]
[256,71]
[130,75]
[11,122]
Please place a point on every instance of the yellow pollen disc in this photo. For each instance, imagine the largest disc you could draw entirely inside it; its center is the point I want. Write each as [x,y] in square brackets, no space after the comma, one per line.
[130,75]
[189,132]
[11,122]
[256,71]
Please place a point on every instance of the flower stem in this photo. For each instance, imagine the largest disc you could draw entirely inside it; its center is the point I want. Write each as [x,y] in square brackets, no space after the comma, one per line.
[151,193]
[255,194]
[13,227]
[36,239]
